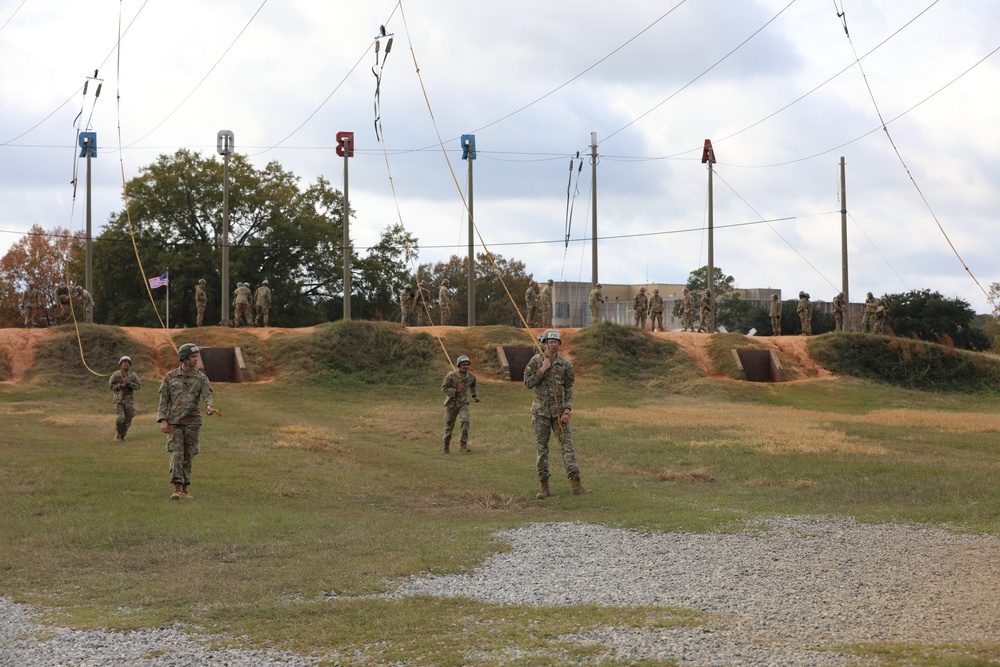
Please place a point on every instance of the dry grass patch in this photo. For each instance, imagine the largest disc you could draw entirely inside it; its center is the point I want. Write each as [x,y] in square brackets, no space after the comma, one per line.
[768,483]
[80,419]
[400,430]
[493,500]
[770,430]
[692,476]
[960,422]
[309,438]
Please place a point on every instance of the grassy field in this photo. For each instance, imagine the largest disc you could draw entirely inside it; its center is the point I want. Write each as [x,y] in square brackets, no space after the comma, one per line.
[328,483]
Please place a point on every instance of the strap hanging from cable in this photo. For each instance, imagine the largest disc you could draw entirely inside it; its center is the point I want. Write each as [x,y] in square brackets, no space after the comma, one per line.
[377,73]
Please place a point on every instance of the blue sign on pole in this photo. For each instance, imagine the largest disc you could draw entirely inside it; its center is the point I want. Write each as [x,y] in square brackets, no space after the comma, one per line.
[468,146]
[88,143]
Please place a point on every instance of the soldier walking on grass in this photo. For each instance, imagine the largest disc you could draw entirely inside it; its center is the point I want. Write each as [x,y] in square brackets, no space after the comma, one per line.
[552,378]
[458,385]
[262,302]
[201,299]
[124,382]
[179,415]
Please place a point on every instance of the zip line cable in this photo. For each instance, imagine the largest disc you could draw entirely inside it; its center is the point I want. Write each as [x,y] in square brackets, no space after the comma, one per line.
[11,17]
[906,168]
[878,250]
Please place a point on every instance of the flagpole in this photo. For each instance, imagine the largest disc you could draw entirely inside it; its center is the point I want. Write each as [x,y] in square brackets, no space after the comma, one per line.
[168,298]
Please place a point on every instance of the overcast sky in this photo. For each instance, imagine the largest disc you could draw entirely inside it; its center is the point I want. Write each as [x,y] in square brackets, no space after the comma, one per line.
[775,84]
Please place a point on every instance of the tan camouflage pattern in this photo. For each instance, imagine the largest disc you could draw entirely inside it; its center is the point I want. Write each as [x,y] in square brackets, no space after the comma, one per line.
[123,400]
[458,386]
[181,393]
[201,301]
[262,305]
[553,394]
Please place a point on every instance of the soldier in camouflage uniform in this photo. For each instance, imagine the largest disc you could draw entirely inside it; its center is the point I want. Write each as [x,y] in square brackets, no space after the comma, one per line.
[687,309]
[405,301]
[421,302]
[545,304]
[531,304]
[551,377]
[804,309]
[262,303]
[656,310]
[594,301]
[775,315]
[839,308]
[444,302]
[241,305]
[179,415]
[123,383]
[62,302]
[640,305]
[706,312]
[458,385]
[88,303]
[201,299]
[31,303]
[868,318]
[881,312]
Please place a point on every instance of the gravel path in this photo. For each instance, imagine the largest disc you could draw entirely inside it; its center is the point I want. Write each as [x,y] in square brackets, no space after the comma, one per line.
[789,591]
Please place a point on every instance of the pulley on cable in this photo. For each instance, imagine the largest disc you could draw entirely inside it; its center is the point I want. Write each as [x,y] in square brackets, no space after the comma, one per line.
[377,73]
[571,194]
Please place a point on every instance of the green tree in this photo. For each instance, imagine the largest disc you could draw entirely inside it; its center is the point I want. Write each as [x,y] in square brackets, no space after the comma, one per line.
[378,278]
[493,306]
[930,316]
[277,230]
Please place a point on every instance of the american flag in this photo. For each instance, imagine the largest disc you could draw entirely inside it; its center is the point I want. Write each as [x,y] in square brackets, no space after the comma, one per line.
[159,281]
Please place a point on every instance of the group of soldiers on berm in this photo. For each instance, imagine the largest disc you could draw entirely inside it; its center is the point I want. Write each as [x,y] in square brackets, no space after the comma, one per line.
[33,304]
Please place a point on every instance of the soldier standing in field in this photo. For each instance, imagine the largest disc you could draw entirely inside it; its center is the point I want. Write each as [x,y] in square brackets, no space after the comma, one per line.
[62,302]
[656,310]
[804,309]
[640,305]
[868,317]
[881,312]
[531,303]
[552,378]
[179,415]
[241,305]
[444,302]
[405,300]
[458,385]
[706,312]
[687,309]
[262,302]
[31,303]
[775,314]
[594,301]
[545,303]
[123,383]
[421,301]
[88,303]
[201,300]
[839,309]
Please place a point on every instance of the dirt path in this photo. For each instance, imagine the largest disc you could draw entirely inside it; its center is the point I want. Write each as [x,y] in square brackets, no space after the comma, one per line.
[19,347]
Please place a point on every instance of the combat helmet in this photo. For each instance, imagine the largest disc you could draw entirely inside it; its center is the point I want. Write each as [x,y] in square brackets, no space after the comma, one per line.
[445,282]
[550,334]
[202,281]
[125,358]
[264,282]
[598,285]
[463,360]
[186,350]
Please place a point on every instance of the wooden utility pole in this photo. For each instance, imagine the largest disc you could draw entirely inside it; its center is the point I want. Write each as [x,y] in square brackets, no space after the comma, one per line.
[345,148]
[708,156]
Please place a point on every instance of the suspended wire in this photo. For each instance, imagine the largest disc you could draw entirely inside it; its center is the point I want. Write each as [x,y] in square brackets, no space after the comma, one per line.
[11,17]
[909,174]
[878,250]
[207,74]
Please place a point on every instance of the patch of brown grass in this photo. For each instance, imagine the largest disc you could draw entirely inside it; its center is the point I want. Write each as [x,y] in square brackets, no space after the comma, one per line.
[493,500]
[767,483]
[309,438]
[80,419]
[693,476]
[957,422]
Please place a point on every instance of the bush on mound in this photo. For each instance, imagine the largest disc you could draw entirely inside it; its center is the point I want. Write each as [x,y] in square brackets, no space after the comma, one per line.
[358,351]
[57,359]
[907,362]
[620,352]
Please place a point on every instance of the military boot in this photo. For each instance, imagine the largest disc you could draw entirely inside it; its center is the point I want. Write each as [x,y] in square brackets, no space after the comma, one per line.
[465,447]
[178,490]
[118,436]
[543,493]
[184,493]
[577,486]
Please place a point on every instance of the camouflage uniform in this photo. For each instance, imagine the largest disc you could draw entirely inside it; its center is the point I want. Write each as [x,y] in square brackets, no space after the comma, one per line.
[422,302]
[839,308]
[706,312]
[804,309]
[594,301]
[775,315]
[531,304]
[262,303]
[545,304]
[640,305]
[458,385]
[180,395]
[31,303]
[201,300]
[88,304]
[444,303]
[868,318]
[881,312]
[62,301]
[405,301]
[241,305]
[688,311]
[551,398]
[123,384]
[656,311]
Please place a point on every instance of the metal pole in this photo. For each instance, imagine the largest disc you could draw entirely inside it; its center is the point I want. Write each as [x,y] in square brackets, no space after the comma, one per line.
[472,247]
[710,282]
[89,278]
[843,242]
[347,238]
[593,208]
[225,237]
